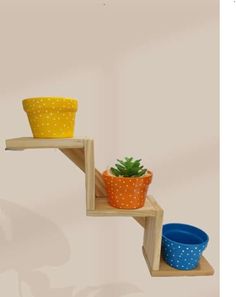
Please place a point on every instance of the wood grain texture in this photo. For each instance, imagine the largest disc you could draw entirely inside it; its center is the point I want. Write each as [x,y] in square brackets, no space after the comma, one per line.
[204,269]
[23,143]
[150,217]
[102,208]
[155,203]
[153,235]
[78,158]
[141,221]
[100,186]
[89,174]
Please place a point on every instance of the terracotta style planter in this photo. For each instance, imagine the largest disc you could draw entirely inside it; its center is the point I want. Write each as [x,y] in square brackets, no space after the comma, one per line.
[51,117]
[127,192]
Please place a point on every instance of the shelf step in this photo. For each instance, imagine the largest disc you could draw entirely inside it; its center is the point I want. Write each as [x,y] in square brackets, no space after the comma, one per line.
[204,268]
[80,152]
[102,208]
[23,143]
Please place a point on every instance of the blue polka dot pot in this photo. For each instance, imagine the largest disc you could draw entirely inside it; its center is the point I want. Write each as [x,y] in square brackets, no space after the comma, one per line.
[182,245]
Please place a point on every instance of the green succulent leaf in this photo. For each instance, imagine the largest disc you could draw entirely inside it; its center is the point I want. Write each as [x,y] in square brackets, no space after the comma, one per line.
[121,169]
[115,171]
[128,167]
[142,172]
[121,162]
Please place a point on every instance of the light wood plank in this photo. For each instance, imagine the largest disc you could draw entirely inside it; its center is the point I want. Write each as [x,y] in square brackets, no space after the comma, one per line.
[153,235]
[23,143]
[77,157]
[89,174]
[102,208]
[204,269]
[141,221]
[155,203]
[100,186]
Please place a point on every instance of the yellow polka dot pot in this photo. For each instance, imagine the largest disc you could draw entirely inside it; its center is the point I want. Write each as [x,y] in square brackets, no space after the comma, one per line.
[51,117]
[126,192]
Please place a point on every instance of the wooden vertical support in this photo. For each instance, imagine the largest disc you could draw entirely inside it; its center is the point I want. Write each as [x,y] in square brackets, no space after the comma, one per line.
[152,237]
[89,174]
[100,186]
[141,221]
[76,155]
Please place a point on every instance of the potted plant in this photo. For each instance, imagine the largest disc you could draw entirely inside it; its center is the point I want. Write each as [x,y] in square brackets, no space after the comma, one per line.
[127,184]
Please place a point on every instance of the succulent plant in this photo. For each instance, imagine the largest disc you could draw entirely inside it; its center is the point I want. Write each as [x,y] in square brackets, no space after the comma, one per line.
[128,168]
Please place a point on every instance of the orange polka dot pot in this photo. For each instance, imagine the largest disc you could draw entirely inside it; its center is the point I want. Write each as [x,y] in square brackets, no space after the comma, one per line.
[51,117]
[127,192]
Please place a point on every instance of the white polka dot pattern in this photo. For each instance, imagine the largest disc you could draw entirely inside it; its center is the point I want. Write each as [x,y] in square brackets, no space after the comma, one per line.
[126,192]
[51,117]
[181,255]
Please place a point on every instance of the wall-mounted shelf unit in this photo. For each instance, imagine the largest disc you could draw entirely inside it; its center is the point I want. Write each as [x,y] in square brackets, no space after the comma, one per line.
[150,217]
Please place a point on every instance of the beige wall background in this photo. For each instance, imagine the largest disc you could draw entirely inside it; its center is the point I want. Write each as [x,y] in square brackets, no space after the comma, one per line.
[146,73]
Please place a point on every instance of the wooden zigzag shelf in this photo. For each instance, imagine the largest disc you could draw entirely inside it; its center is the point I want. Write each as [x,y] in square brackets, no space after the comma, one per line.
[150,217]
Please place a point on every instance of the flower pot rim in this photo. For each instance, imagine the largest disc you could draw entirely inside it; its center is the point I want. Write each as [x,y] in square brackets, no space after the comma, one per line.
[150,174]
[50,97]
[186,244]
[54,104]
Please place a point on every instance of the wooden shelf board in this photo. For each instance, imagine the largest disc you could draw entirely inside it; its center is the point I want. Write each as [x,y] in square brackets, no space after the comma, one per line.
[38,143]
[149,216]
[204,268]
[102,208]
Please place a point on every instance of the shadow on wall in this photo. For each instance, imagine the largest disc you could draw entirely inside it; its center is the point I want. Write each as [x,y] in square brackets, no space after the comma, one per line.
[109,290]
[29,242]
